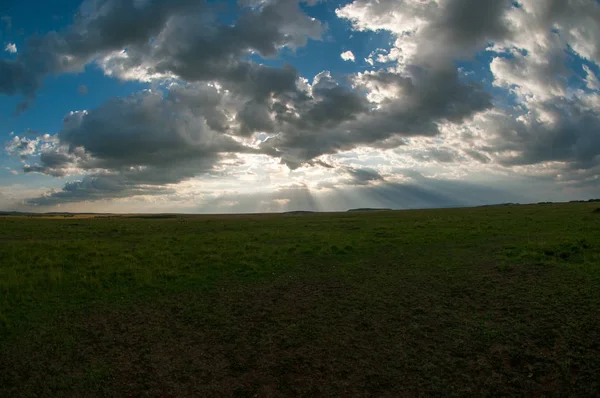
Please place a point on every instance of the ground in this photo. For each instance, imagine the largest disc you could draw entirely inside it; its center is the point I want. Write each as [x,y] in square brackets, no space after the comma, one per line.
[483,301]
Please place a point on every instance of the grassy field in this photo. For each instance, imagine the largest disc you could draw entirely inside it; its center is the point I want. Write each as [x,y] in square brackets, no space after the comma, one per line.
[482,301]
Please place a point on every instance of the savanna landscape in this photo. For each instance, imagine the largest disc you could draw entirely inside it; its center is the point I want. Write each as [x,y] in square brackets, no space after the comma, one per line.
[487,301]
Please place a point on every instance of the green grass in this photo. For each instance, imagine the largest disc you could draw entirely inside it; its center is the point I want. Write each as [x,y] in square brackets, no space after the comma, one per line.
[484,301]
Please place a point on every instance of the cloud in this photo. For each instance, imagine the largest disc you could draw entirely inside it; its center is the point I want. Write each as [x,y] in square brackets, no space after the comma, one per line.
[155,139]
[11,48]
[98,28]
[135,144]
[429,32]
[182,38]
[405,104]
[515,103]
[364,176]
[551,125]
[553,131]
[554,123]
[348,56]
[592,81]
[97,187]
[82,89]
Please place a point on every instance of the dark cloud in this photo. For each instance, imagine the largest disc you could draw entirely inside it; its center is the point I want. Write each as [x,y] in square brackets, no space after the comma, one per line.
[430,95]
[442,31]
[535,42]
[93,188]
[213,50]
[149,139]
[577,20]
[147,128]
[478,156]
[462,26]
[179,37]
[426,92]
[364,176]
[304,125]
[143,143]
[98,28]
[424,99]
[572,135]
[332,104]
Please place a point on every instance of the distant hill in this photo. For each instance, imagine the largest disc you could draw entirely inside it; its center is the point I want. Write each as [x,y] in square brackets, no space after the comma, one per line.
[507,204]
[299,212]
[369,209]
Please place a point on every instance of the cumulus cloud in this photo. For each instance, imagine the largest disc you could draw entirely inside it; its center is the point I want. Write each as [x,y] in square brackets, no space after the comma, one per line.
[215,100]
[429,32]
[96,187]
[441,155]
[554,121]
[364,176]
[11,48]
[182,38]
[134,144]
[348,56]
[532,42]
[406,104]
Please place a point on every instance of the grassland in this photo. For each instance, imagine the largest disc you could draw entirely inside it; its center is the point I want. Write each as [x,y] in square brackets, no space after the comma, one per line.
[484,301]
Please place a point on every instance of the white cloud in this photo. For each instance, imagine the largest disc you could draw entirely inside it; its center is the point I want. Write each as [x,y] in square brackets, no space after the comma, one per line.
[11,48]
[348,56]
[117,64]
[592,80]
[241,122]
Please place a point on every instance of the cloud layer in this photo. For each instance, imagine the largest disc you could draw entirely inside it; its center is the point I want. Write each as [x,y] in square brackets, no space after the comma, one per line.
[11,48]
[213,100]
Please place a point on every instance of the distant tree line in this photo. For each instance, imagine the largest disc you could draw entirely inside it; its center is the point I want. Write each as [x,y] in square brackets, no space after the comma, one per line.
[572,201]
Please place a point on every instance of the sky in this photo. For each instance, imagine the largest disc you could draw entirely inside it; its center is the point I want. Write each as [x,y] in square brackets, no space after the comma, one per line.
[199,106]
